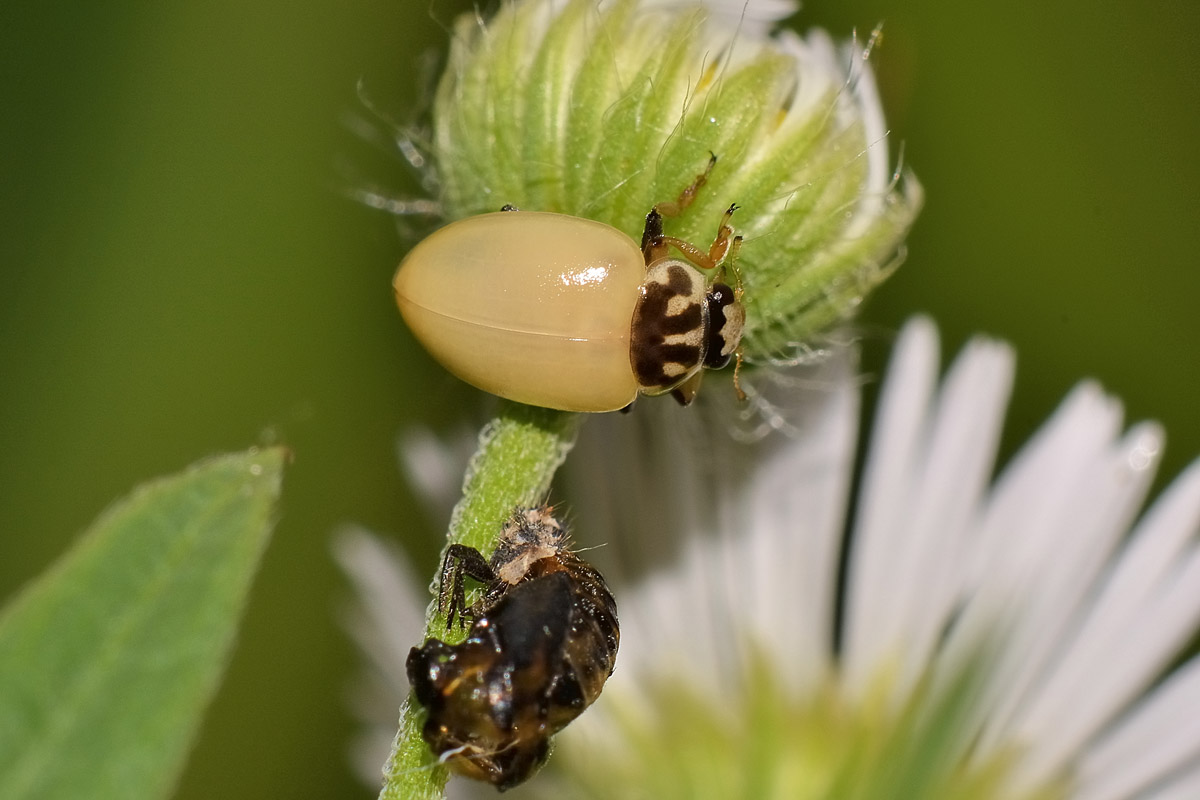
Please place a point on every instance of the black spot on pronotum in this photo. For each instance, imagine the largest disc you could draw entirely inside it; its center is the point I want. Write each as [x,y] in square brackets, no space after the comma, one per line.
[650,353]
[718,298]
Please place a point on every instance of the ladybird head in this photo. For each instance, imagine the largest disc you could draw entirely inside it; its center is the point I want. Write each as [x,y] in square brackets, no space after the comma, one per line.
[726,320]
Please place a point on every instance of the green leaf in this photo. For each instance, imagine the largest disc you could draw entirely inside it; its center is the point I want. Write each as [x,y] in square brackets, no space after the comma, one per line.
[108,660]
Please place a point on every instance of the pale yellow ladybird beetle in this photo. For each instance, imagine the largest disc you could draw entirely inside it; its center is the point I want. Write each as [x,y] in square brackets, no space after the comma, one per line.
[565,312]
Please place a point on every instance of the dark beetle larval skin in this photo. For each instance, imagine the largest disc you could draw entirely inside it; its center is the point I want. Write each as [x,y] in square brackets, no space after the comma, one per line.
[542,642]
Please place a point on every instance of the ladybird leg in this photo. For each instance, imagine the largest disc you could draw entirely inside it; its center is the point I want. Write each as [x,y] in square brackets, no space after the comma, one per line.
[725,239]
[734,313]
[654,245]
[688,195]
[494,592]
[685,392]
[723,248]
[693,254]
[460,560]
[729,265]
[737,370]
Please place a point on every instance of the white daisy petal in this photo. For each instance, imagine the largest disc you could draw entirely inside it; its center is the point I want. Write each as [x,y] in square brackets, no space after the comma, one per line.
[386,620]
[1097,509]
[713,598]
[884,501]
[434,467]
[1136,754]
[1026,528]
[1114,653]
[389,617]
[951,476]
[1073,695]
[1185,786]
[1041,486]
[1160,542]
[801,487]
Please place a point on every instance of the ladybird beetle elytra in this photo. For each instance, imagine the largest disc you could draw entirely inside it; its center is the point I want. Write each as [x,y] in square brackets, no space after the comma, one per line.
[543,641]
[527,305]
[569,313]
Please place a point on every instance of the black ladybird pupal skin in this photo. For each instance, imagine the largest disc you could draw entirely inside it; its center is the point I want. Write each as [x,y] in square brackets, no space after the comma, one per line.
[542,642]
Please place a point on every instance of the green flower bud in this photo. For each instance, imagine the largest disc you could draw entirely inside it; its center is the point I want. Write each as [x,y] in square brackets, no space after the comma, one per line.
[601,111]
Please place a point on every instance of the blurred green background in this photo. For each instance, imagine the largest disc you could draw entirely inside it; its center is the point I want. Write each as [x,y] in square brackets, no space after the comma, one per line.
[182,276]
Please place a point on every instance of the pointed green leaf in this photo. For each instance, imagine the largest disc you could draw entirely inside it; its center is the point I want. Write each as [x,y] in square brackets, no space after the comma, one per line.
[108,660]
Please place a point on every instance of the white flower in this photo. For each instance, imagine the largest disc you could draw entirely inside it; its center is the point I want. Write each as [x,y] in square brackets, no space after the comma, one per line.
[990,638]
